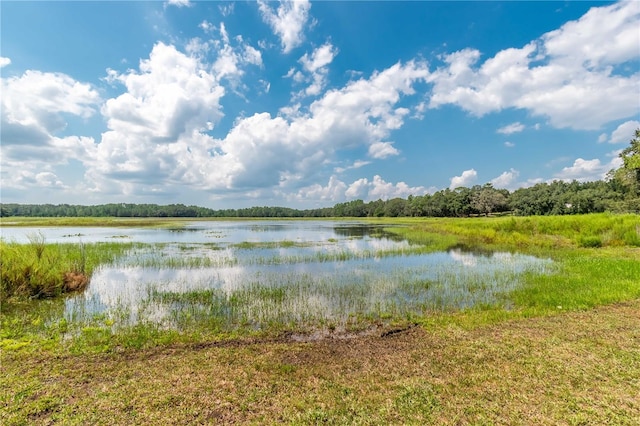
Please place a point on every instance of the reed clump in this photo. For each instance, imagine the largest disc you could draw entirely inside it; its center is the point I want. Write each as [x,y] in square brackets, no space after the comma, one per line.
[39,270]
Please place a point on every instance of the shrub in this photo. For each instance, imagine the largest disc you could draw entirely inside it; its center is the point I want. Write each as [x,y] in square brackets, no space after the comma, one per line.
[632,237]
[590,241]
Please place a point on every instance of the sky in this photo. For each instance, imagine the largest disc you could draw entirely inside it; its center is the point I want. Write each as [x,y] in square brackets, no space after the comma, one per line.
[308,104]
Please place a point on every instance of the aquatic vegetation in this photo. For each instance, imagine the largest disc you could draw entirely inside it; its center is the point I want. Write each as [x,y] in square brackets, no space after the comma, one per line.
[271,244]
[256,295]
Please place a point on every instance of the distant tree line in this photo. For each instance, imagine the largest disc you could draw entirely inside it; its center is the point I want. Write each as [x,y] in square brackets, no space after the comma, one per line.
[619,192]
[554,198]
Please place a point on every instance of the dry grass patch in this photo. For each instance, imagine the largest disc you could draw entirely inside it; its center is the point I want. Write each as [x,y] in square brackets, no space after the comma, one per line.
[75,281]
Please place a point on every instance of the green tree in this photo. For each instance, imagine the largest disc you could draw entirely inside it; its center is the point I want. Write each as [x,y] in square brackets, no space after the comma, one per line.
[395,207]
[629,172]
[487,199]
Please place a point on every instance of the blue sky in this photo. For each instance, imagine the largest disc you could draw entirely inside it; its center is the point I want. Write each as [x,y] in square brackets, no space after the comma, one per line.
[307,104]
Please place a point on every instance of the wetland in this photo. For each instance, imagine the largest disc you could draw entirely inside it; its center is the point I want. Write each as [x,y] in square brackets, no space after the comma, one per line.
[410,321]
[261,275]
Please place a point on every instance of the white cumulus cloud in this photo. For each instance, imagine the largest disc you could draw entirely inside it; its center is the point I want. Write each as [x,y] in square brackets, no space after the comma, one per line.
[232,59]
[333,192]
[624,132]
[567,75]
[315,68]
[287,150]
[320,58]
[35,109]
[378,188]
[156,125]
[587,170]
[382,150]
[507,180]
[387,190]
[41,99]
[288,21]
[4,61]
[178,3]
[467,178]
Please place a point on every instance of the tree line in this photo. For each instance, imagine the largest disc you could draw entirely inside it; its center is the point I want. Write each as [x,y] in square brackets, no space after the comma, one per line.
[619,192]
[554,198]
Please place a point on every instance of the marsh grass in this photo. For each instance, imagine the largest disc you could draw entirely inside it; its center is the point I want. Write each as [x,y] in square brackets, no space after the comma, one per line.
[582,282]
[596,257]
[338,256]
[174,223]
[216,256]
[271,244]
[547,232]
[306,303]
[40,270]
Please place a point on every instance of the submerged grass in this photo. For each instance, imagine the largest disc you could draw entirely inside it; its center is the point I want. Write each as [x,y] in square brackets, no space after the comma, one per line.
[217,256]
[270,244]
[277,300]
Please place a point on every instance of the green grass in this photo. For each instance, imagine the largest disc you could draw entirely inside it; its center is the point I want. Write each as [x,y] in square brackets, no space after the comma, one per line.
[571,368]
[547,232]
[596,257]
[176,223]
[582,282]
[41,270]
[270,244]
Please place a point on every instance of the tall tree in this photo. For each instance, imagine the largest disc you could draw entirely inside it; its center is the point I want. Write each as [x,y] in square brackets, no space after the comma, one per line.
[487,199]
[629,172]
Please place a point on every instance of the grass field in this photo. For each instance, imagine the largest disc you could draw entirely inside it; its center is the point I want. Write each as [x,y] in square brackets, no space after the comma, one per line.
[569,368]
[567,351]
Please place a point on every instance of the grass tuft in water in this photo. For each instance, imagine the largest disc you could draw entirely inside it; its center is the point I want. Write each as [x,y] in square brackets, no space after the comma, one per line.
[40,270]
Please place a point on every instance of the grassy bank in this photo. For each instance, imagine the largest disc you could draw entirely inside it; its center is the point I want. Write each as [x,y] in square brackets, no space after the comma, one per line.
[561,349]
[567,369]
[530,233]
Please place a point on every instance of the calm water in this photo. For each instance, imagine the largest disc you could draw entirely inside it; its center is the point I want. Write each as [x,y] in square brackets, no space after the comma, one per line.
[223,232]
[299,273]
